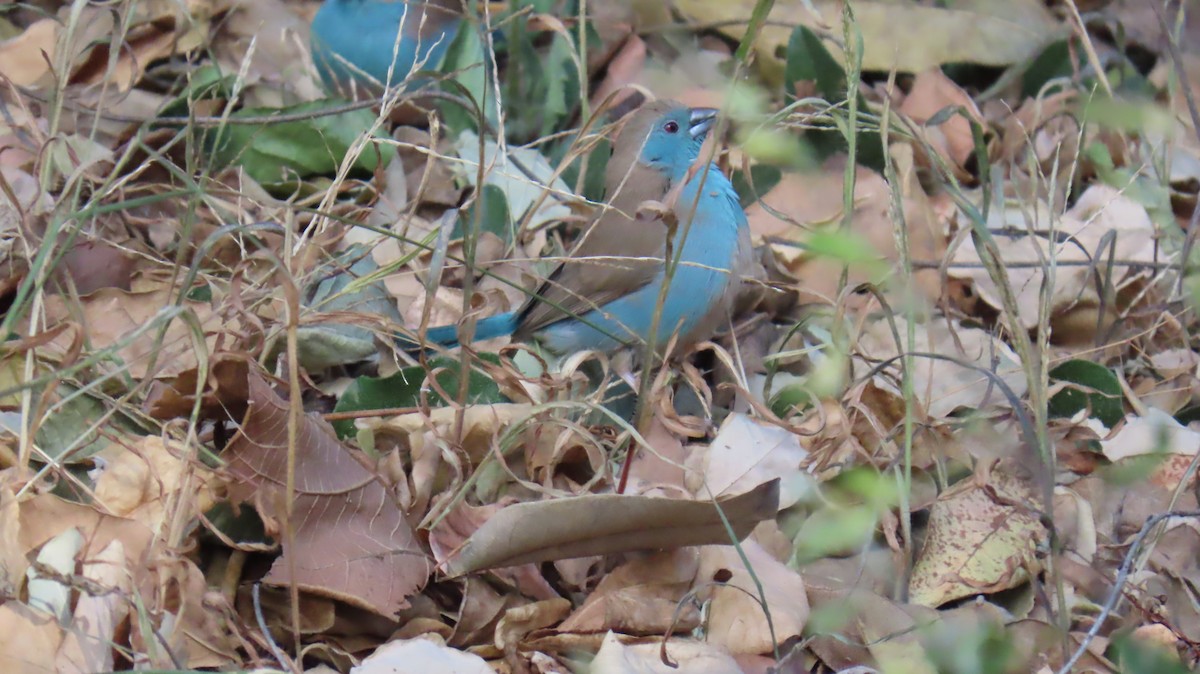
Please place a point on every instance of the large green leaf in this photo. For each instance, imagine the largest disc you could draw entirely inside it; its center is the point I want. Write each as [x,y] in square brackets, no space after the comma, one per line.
[1095,386]
[809,60]
[279,152]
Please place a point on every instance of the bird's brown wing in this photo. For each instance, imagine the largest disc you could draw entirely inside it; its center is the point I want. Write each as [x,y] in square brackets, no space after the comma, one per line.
[618,255]
[620,252]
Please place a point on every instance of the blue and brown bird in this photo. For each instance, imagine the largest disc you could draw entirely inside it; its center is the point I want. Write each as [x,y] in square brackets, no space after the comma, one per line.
[606,294]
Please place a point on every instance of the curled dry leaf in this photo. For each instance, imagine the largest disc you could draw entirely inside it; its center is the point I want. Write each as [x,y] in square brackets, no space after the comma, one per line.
[598,524]
[521,620]
[451,531]
[641,597]
[153,31]
[942,386]
[140,480]
[195,633]
[983,537]
[1101,211]
[351,541]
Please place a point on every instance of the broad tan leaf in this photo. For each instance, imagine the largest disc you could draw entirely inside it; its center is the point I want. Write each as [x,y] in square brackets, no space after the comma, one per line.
[736,620]
[600,524]
[909,37]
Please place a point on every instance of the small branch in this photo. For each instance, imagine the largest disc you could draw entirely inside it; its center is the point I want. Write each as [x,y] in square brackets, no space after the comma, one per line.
[1114,595]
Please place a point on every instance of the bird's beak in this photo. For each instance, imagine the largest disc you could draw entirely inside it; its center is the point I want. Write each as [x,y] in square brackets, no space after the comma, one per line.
[700,120]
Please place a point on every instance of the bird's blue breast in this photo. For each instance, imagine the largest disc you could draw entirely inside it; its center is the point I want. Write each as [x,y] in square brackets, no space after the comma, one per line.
[700,280]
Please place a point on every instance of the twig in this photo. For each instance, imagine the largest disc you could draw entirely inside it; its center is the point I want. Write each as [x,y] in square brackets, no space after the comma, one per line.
[1114,595]
[266,632]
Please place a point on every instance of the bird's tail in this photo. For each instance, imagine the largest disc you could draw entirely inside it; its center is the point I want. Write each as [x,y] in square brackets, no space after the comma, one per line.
[447,335]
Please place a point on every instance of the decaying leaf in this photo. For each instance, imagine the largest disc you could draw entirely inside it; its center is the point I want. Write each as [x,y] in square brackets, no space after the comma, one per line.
[984,534]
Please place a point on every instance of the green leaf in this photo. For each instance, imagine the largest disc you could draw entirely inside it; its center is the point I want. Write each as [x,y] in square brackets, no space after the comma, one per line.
[492,207]
[280,152]
[809,60]
[403,389]
[793,397]
[561,73]
[1054,62]
[1134,657]
[204,83]
[465,60]
[1099,389]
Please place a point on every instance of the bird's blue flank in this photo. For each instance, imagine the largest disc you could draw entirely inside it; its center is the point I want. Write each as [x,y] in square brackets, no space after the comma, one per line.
[701,278]
[362,33]
[488,328]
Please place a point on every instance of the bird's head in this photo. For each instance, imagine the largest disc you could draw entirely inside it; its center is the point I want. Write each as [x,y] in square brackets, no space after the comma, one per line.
[666,136]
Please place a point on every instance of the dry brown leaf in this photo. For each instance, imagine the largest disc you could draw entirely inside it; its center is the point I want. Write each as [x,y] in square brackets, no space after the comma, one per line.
[481,609]
[32,638]
[199,638]
[747,453]
[641,597]
[480,425]
[351,540]
[624,69]
[110,316]
[866,614]
[141,481]
[931,92]
[1101,210]
[814,202]
[92,265]
[596,524]
[908,37]
[736,620]
[983,538]
[223,396]
[659,469]
[278,70]
[25,59]
[521,620]
[451,531]
[686,655]
[13,562]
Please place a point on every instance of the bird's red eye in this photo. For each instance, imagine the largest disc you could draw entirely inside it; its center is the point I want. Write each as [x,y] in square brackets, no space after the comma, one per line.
[671,127]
